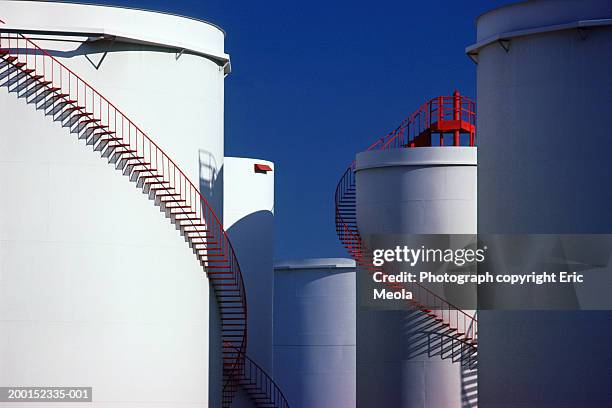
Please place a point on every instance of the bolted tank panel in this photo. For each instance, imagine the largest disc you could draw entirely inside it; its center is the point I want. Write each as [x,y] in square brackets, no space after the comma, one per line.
[314,332]
[423,190]
[544,98]
[97,287]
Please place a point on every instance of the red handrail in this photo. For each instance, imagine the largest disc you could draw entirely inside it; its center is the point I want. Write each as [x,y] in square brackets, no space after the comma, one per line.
[98,116]
[460,113]
[433,113]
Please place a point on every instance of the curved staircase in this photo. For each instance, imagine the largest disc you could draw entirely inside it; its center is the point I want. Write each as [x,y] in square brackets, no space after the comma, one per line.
[261,388]
[441,329]
[43,80]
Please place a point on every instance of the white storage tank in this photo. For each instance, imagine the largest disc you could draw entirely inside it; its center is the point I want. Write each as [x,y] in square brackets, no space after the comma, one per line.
[421,190]
[248,217]
[314,332]
[97,287]
[544,101]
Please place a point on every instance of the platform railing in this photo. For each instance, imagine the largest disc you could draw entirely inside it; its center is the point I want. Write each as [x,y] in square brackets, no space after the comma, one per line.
[432,115]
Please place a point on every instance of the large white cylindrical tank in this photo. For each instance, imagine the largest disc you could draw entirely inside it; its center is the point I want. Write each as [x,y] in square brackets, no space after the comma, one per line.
[314,332]
[248,217]
[544,102]
[423,190]
[97,287]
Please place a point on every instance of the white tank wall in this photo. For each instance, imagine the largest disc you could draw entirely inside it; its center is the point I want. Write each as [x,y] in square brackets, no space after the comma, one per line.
[248,218]
[97,288]
[314,332]
[428,190]
[544,124]
[417,191]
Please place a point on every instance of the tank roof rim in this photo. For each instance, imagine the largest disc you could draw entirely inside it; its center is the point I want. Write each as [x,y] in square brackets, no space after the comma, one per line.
[93,3]
[315,263]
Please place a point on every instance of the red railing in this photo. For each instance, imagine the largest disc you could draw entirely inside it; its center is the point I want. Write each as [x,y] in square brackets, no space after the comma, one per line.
[454,115]
[133,150]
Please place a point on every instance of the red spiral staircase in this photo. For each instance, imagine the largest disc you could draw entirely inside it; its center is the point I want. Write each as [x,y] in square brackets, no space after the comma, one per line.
[77,105]
[441,328]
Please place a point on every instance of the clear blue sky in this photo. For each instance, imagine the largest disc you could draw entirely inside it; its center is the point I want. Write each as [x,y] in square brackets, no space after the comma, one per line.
[314,82]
